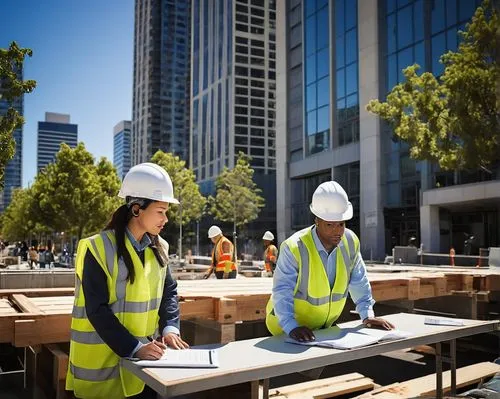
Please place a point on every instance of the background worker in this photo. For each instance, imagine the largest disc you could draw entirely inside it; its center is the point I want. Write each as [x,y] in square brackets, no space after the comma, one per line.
[125,297]
[316,269]
[270,252]
[223,261]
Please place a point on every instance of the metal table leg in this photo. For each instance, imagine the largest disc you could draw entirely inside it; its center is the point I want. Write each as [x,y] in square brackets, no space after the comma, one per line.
[439,372]
[453,366]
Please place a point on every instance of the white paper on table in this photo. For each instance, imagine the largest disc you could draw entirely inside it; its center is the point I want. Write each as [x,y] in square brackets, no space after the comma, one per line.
[443,322]
[353,339]
[190,358]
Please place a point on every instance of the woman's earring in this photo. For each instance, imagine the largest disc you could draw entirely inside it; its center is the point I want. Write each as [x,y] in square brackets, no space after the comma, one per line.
[135,214]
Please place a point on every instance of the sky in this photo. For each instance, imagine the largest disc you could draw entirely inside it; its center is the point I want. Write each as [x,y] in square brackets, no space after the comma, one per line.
[82,62]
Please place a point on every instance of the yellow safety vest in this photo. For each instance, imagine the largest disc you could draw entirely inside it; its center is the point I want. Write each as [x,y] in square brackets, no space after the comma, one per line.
[94,369]
[315,304]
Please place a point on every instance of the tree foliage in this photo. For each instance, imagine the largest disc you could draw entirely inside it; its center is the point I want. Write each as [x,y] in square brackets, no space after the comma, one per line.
[74,194]
[185,189]
[17,220]
[237,199]
[452,119]
[11,89]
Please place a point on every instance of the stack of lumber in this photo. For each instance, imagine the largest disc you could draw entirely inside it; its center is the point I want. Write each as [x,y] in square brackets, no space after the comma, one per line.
[324,388]
[425,386]
[31,316]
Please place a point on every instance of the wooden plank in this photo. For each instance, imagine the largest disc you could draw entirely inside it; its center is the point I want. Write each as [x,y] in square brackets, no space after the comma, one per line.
[226,310]
[425,386]
[25,304]
[36,292]
[49,329]
[334,390]
[290,389]
[197,308]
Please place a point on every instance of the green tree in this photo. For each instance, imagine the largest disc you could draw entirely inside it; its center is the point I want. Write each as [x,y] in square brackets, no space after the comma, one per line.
[74,194]
[17,220]
[237,199]
[453,119]
[11,89]
[185,189]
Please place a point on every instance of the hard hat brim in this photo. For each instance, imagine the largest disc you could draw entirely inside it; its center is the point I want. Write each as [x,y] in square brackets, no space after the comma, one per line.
[170,200]
[333,216]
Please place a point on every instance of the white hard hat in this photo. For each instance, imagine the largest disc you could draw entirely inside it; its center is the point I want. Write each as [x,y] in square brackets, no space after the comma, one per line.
[330,202]
[268,236]
[214,231]
[148,180]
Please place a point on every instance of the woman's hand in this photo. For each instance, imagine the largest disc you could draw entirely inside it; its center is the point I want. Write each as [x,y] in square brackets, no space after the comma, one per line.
[151,351]
[174,341]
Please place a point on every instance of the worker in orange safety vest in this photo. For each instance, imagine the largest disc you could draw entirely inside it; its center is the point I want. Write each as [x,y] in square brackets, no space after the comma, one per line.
[270,253]
[223,261]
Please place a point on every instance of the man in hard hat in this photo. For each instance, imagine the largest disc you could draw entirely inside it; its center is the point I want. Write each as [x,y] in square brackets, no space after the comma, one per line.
[317,267]
[270,253]
[222,255]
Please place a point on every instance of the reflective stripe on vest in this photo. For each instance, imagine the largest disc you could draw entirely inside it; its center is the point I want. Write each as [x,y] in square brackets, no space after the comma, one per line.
[312,310]
[94,367]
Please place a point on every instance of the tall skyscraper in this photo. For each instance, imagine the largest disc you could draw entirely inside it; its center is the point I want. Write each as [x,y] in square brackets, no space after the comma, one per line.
[160,114]
[14,168]
[233,102]
[55,130]
[339,55]
[121,148]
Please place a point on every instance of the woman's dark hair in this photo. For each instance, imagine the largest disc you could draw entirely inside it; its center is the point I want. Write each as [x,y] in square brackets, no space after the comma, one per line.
[118,223]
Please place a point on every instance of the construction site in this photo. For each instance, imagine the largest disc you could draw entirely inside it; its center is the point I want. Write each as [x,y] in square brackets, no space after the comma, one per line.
[36,310]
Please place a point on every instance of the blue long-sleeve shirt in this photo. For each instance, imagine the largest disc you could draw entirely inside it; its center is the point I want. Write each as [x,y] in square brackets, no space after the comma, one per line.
[285,279]
[107,325]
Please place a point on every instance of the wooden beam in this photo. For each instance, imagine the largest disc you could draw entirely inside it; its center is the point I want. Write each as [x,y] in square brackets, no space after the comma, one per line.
[51,329]
[25,304]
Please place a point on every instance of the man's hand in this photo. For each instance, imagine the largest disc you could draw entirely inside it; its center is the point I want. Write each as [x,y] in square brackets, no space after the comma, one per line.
[378,322]
[208,274]
[302,334]
[173,341]
[151,351]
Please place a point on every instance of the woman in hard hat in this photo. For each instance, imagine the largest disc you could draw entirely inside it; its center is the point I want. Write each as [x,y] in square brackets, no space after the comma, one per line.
[317,268]
[125,297]
[270,253]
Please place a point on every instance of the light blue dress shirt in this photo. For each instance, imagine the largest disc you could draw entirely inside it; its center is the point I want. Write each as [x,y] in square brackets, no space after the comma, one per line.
[285,279]
[139,247]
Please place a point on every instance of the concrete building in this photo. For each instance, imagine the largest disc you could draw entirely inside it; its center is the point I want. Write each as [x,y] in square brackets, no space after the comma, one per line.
[160,114]
[337,55]
[121,147]
[14,168]
[55,130]
[233,95]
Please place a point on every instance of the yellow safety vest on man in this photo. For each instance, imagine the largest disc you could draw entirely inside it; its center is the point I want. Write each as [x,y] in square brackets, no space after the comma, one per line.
[223,256]
[317,305]
[94,369]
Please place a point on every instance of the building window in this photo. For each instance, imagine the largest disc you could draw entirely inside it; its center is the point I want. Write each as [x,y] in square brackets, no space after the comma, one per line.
[316,65]
[346,52]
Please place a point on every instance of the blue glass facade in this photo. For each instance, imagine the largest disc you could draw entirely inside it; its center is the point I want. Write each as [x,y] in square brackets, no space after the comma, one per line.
[50,137]
[160,117]
[317,75]
[121,149]
[418,32]
[346,62]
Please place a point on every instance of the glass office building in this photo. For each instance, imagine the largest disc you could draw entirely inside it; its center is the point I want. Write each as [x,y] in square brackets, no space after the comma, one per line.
[233,101]
[121,148]
[340,54]
[160,114]
[55,130]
